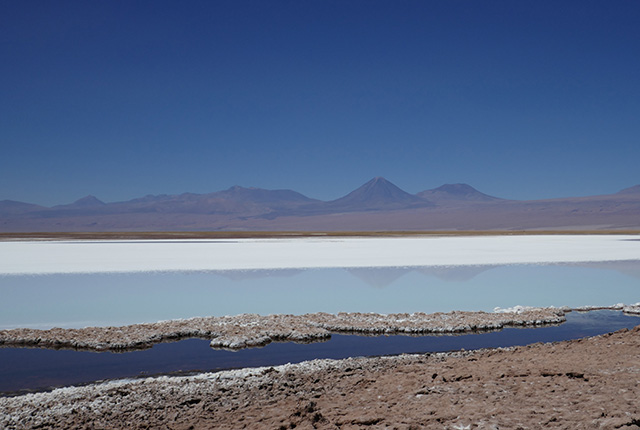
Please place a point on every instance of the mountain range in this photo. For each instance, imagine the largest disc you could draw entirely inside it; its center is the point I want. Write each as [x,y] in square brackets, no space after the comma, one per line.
[376,205]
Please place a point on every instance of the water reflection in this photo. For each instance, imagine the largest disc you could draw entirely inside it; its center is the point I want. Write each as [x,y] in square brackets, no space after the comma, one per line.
[78,300]
[629,267]
[379,277]
[242,275]
[455,273]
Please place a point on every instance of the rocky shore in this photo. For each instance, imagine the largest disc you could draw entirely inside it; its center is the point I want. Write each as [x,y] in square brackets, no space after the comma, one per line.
[586,383]
[250,330]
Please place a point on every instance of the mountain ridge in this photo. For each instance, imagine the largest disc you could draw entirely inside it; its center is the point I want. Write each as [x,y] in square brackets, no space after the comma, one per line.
[376,205]
[444,188]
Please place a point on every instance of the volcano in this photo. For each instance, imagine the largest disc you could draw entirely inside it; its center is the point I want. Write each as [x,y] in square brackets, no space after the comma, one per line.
[376,195]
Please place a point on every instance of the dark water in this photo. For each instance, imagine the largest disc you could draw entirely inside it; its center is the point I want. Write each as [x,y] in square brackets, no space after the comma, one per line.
[27,369]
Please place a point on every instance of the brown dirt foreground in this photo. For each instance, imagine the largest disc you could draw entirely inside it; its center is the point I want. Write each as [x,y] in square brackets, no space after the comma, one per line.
[588,383]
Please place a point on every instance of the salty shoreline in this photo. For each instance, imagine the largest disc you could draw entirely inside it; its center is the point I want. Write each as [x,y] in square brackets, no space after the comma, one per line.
[586,383]
[251,330]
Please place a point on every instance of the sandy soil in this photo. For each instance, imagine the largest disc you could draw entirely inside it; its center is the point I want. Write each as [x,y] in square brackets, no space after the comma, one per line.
[588,383]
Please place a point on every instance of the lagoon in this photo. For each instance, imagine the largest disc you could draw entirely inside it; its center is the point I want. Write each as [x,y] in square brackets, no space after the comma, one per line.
[101,299]
[48,284]
[74,284]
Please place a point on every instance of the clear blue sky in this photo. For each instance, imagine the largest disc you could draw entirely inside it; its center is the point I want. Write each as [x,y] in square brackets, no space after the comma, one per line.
[521,99]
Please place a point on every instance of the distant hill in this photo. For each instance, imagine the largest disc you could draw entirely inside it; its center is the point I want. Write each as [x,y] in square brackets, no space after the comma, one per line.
[631,190]
[260,195]
[456,193]
[376,205]
[12,207]
[84,202]
[88,201]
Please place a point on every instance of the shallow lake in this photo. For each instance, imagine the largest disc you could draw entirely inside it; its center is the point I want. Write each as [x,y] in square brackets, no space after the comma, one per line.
[78,284]
[97,299]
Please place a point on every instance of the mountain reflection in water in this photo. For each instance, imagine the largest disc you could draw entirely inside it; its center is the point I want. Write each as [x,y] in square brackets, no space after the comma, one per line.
[79,300]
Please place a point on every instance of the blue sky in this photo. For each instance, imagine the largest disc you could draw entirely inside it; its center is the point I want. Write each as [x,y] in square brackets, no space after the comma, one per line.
[521,99]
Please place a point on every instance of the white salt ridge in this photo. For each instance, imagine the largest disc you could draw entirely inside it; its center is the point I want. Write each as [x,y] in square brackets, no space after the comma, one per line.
[628,309]
[41,257]
[518,309]
[251,330]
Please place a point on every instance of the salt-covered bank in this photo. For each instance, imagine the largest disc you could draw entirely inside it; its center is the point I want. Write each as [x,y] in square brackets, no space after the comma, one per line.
[586,383]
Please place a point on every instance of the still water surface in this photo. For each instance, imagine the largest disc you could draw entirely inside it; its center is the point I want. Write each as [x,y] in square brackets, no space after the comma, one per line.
[94,299]
[23,369]
[98,299]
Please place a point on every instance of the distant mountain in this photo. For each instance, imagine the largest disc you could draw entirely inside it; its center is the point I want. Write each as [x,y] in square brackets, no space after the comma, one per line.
[84,202]
[260,195]
[376,195]
[235,200]
[12,207]
[376,205]
[88,201]
[456,193]
[631,190]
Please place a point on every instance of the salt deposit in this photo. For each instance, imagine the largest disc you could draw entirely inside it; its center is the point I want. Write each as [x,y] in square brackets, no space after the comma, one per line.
[586,383]
[42,257]
[251,330]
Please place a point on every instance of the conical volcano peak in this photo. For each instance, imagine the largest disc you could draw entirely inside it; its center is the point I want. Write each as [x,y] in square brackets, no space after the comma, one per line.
[380,179]
[378,194]
[381,183]
[380,188]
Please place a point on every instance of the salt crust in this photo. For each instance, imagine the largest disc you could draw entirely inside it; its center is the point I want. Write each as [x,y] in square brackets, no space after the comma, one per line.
[97,399]
[251,330]
[38,257]
[585,383]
